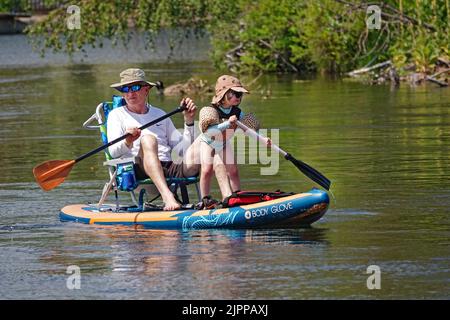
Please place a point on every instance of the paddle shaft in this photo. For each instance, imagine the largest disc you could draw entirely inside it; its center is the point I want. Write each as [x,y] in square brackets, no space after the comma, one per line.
[257,136]
[90,153]
[309,171]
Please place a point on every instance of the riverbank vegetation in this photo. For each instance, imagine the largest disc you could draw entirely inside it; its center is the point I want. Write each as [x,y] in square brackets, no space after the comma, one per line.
[249,36]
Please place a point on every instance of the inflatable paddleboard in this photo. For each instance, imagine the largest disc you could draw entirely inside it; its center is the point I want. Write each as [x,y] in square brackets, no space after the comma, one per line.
[296,210]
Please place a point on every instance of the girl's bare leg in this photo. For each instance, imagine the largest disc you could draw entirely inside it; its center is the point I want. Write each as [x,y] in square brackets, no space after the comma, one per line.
[232,168]
[222,175]
[206,170]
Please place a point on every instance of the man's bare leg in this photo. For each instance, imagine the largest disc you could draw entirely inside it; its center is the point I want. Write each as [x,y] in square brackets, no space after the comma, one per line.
[191,160]
[153,168]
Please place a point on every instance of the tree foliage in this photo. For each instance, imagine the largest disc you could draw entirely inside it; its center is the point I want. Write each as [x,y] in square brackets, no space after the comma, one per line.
[267,35]
[7,6]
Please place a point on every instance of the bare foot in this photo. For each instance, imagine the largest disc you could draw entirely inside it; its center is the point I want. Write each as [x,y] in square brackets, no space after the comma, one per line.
[171,204]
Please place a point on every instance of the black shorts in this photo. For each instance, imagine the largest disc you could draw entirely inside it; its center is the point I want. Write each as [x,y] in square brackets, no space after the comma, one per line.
[170,169]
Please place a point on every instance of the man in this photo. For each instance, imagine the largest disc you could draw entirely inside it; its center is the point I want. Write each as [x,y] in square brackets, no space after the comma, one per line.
[153,145]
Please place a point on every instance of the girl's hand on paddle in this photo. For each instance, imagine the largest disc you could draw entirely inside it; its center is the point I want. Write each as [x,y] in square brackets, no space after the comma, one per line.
[232,120]
[135,133]
[189,114]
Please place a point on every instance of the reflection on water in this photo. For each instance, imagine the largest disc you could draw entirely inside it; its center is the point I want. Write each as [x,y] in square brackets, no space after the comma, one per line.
[164,263]
[385,151]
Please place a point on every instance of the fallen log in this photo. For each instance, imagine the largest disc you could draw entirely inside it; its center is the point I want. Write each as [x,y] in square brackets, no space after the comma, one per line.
[443,61]
[367,69]
[439,82]
[433,79]
[440,72]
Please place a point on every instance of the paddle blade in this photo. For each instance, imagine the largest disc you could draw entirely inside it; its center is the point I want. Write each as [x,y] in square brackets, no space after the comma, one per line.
[51,174]
[310,172]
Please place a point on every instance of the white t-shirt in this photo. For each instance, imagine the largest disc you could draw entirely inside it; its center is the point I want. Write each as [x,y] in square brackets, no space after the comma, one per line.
[165,132]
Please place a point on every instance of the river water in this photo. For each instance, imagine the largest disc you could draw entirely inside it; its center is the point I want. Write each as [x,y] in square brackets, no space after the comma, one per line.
[385,150]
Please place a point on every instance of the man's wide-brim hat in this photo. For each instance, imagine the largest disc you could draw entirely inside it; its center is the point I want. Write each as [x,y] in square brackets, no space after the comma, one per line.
[225,83]
[130,76]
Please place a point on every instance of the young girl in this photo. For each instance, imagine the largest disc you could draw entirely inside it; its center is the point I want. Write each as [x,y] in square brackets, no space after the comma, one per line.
[217,123]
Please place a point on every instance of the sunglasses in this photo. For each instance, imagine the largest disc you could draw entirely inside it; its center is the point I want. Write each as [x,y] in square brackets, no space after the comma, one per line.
[133,88]
[234,93]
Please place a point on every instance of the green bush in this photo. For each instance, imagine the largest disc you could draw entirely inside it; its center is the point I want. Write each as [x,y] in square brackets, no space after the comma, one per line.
[7,6]
[268,35]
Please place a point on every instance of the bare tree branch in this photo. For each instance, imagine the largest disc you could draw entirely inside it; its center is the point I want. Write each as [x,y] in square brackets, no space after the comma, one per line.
[394,15]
